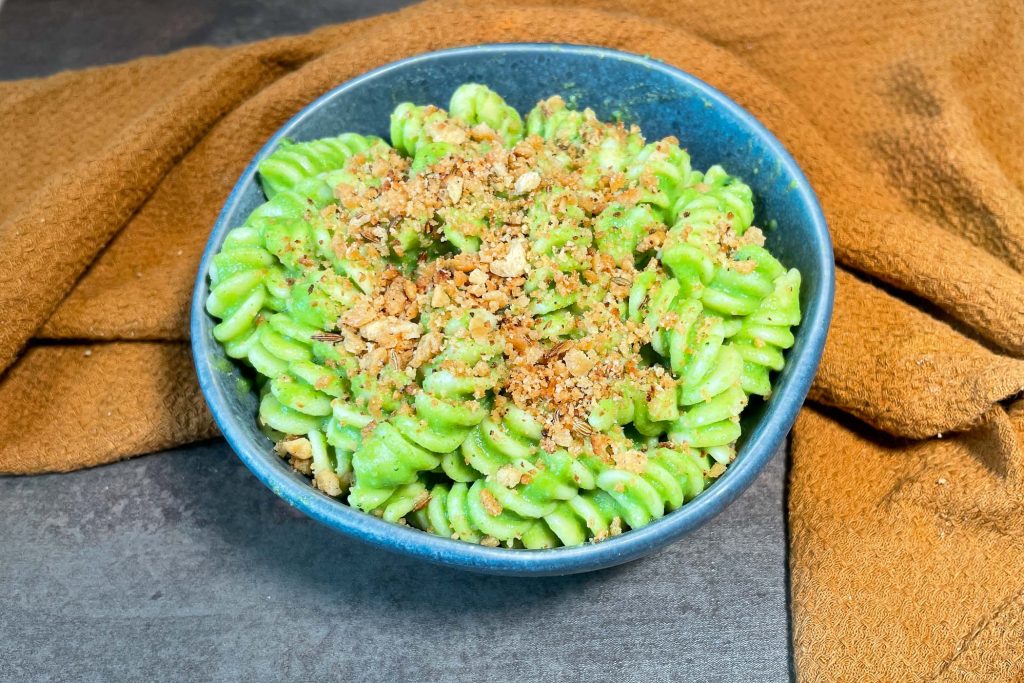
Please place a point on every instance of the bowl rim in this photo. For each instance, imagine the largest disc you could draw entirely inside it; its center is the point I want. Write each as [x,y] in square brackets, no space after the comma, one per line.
[757,450]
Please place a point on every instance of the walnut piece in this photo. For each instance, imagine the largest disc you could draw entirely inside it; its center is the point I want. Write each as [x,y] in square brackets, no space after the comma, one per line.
[328,482]
[389,331]
[578,363]
[508,476]
[513,264]
[299,448]
[439,299]
[527,182]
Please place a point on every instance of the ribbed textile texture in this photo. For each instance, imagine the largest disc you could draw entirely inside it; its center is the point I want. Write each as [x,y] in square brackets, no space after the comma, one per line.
[907,485]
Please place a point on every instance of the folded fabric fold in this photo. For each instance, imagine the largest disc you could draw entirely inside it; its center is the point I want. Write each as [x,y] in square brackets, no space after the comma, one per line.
[70,406]
[907,560]
[905,372]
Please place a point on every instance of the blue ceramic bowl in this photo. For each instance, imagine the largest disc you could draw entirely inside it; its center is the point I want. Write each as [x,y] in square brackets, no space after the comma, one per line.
[663,101]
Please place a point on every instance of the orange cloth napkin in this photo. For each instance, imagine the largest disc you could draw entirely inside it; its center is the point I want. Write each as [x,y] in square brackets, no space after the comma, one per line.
[907,488]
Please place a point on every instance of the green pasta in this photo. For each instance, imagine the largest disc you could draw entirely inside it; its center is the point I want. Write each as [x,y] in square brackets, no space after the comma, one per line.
[291,163]
[530,332]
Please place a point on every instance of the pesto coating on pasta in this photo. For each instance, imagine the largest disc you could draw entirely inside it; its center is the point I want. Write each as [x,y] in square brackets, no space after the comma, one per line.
[523,331]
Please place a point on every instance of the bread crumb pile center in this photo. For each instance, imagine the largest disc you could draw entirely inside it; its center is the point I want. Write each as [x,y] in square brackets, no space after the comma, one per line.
[495,247]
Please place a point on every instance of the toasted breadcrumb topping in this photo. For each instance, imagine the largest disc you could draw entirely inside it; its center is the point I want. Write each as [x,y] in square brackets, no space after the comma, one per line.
[418,291]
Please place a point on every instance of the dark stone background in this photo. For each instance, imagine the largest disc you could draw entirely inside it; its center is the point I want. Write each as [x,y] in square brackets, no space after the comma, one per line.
[181,566]
[39,37]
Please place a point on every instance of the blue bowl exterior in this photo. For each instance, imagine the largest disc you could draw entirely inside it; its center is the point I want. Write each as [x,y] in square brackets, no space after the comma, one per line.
[663,101]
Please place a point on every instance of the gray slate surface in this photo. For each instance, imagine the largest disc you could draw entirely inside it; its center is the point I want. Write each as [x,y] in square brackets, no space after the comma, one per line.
[40,37]
[180,566]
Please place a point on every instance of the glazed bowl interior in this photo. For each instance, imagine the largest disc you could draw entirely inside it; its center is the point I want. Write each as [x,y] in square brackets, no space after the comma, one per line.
[618,86]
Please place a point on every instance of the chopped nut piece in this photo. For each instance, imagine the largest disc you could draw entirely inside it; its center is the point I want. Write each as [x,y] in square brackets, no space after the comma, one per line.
[455,190]
[428,347]
[479,328]
[462,262]
[358,315]
[439,299]
[388,331]
[299,448]
[410,289]
[577,362]
[395,299]
[514,262]
[508,476]
[527,182]
[328,482]
[561,436]
[352,341]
